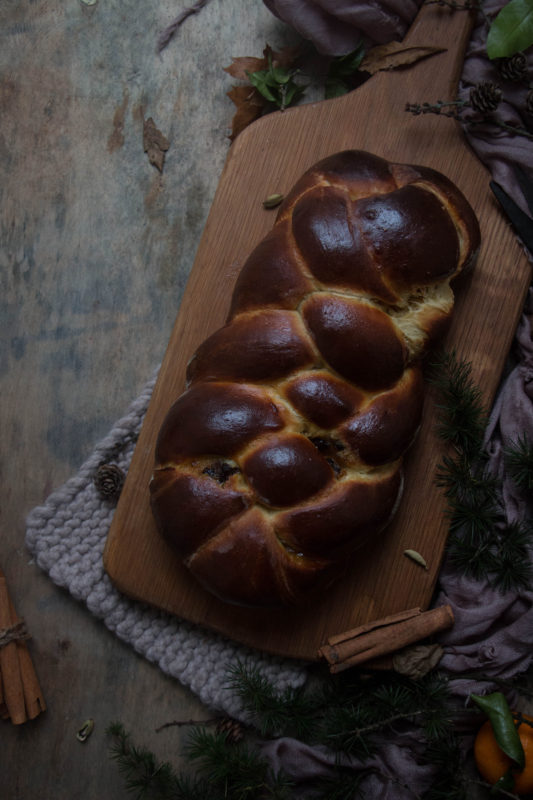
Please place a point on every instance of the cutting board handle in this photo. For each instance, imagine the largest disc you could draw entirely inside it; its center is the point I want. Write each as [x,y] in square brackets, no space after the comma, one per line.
[429,79]
[437,77]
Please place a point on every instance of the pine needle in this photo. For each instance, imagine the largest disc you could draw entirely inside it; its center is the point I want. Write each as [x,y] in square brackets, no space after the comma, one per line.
[481,544]
[518,458]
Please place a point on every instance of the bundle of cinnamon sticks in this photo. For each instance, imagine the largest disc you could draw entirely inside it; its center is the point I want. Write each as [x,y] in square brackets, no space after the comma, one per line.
[21,698]
[372,642]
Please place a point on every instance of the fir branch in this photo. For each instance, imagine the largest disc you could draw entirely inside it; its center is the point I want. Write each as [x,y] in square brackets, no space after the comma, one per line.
[379,706]
[291,712]
[462,415]
[346,713]
[481,543]
[449,782]
[518,457]
[236,770]
[146,777]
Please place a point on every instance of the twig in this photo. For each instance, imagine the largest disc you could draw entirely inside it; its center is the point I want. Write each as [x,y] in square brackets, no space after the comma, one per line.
[179,723]
[449,109]
[166,35]
[384,723]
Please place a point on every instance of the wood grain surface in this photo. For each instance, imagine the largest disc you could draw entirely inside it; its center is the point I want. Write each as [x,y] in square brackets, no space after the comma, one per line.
[96,248]
[267,158]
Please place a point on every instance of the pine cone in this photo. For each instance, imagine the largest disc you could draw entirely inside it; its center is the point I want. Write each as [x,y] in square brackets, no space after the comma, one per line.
[109,480]
[513,68]
[232,729]
[485,97]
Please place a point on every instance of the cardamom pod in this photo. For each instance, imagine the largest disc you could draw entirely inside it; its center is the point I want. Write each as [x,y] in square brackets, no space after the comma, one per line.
[85,730]
[273,200]
[415,556]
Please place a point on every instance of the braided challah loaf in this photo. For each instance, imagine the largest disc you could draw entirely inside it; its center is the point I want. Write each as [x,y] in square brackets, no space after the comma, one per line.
[284,453]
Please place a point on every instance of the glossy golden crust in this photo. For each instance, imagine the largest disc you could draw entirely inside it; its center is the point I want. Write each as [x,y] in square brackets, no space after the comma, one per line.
[284,454]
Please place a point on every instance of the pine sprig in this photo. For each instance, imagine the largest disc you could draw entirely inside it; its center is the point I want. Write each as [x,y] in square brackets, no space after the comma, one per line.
[481,544]
[292,711]
[380,705]
[462,417]
[236,770]
[519,463]
[449,782]
[145,777]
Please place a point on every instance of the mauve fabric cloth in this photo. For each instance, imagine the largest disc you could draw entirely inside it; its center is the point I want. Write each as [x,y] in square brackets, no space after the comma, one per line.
[496,148]
[492,637]
[336,27]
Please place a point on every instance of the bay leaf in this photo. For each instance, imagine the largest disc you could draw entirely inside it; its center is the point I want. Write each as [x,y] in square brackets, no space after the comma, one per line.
[395,55]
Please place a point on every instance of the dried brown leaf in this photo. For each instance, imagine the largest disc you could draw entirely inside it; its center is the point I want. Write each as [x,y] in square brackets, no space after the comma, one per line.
[250,105]
[417,661]
[395,55]
[154,144]
[242,65]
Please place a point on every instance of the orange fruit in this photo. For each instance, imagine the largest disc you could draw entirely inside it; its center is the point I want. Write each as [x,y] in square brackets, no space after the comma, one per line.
[492,763]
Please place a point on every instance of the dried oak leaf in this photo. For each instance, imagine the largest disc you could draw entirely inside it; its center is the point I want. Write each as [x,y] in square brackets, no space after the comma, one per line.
[154,144]
[395,55]
[250,105]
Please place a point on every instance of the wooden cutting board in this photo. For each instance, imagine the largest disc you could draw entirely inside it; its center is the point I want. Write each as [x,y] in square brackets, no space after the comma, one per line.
[267,158]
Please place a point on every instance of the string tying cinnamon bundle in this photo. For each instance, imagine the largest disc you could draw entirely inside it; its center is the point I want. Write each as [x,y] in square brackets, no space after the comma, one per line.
[21,698]
[14,633]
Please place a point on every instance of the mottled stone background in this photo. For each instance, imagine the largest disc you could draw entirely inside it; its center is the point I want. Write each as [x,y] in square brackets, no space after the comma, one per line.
[96,247]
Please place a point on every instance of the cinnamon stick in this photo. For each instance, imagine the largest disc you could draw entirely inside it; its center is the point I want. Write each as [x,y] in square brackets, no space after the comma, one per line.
[382,637]
[21,697]
[33,696]
[4,713]
[9,664]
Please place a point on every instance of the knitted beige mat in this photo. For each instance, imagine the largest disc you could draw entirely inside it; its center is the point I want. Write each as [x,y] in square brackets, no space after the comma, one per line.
[67,536]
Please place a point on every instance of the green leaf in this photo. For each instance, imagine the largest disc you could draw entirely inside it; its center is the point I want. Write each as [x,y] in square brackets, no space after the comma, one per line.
[335,89]
[349,63]
[260,81]
[497,709]
[340,69]
[280,75]
[512,30]
[276,84]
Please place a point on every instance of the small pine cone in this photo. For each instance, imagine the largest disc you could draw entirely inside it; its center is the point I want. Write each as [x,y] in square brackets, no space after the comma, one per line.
[513,68]
[109,480]
[485,97]
[232,729]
